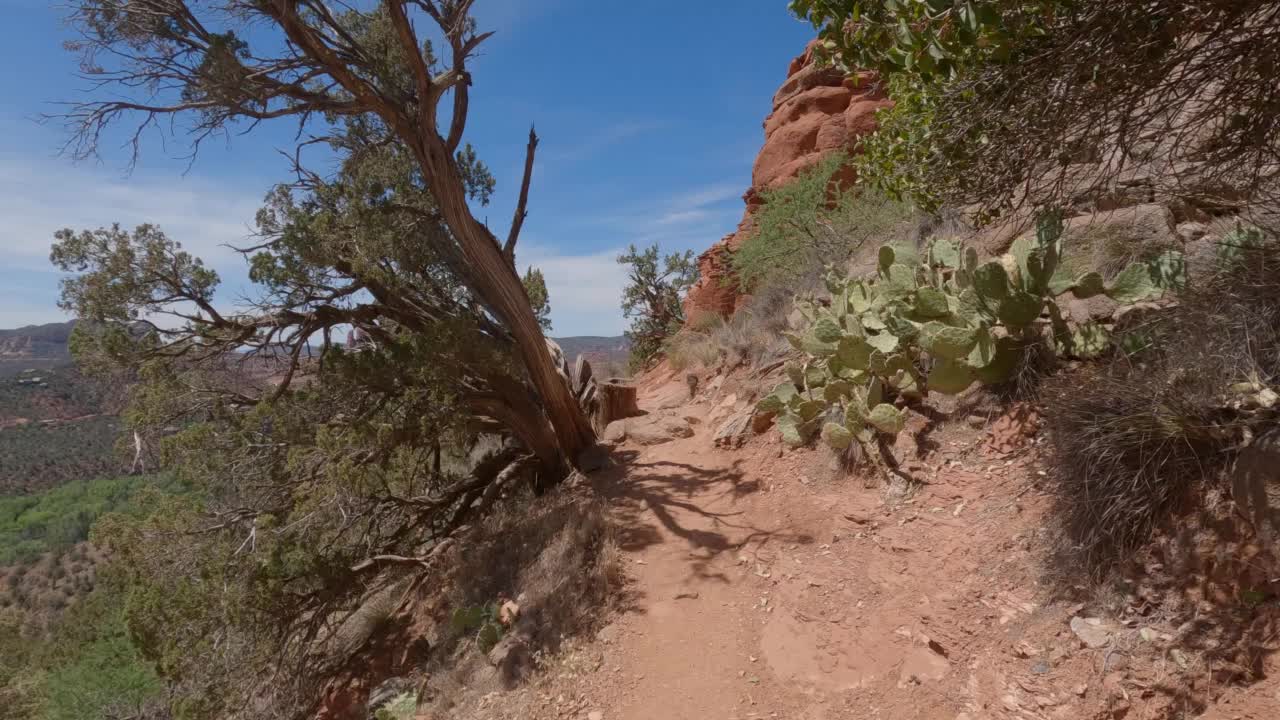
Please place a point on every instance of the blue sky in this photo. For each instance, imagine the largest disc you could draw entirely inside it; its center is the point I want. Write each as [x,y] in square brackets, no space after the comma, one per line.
[649,112]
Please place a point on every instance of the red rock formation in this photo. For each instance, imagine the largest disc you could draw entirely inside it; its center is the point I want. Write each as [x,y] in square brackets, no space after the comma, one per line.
[815,112]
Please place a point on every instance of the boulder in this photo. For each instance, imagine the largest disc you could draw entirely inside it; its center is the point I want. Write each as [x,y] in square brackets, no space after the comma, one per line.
[658,431]
[1108,241]
[615,432]
[1192,231]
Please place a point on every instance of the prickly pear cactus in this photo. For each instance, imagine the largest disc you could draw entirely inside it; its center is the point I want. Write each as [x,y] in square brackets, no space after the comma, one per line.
[936,322]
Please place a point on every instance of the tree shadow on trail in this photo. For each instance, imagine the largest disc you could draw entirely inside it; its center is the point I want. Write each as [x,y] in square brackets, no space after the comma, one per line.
[697,505]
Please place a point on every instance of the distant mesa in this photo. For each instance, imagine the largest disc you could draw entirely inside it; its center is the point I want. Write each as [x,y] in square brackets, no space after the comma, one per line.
[36,341]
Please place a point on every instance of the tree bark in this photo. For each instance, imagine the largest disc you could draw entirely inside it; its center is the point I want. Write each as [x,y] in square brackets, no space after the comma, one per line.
[613,402]
[499,286]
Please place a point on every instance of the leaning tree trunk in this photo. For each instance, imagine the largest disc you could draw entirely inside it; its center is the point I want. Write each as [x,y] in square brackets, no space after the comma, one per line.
[492,275]
[496,282]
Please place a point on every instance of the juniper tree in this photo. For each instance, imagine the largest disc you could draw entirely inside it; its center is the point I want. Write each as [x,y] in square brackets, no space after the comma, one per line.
[317,471]
[230,65]
[653,298]
[536,285]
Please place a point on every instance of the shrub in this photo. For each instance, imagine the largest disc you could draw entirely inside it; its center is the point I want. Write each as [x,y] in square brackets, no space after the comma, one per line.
[938,323]
[750,337]
[57,519]
[810,222]
[691,348]
[1132,441]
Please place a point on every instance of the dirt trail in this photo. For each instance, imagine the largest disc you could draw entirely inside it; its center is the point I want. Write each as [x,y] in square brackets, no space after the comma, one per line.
[767,587]
[757,595]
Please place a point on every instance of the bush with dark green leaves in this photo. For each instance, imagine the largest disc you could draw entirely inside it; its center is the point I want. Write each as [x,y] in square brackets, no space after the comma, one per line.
[1000,103]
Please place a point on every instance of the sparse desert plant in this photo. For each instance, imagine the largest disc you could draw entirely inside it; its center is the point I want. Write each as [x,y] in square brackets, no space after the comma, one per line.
[691,349]
[481,622]
[1133,440]
[401,707]
[939,323]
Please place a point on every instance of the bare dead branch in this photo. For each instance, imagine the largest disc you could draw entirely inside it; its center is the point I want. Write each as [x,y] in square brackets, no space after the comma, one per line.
[509,249]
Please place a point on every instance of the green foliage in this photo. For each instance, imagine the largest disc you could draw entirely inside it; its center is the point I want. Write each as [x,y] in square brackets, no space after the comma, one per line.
[95,671]
[1237,245]
[938,323]
[54,520]
[480,620]
[810,222]
[86,668]
[998,101]
[927,38]
[898,158]
[342,456]
[918,47]
[653,298]
[536,286]
[35,457]
[135,272]
[402,707]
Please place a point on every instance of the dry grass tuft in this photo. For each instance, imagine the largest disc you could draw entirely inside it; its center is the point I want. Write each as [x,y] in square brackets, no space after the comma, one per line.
[1141,437]
[752,336]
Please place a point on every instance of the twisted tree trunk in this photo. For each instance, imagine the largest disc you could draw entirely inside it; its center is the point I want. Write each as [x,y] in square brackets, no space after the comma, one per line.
[496,282]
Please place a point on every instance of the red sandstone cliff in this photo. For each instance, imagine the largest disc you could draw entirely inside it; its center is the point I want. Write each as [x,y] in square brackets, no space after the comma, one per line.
[816,111]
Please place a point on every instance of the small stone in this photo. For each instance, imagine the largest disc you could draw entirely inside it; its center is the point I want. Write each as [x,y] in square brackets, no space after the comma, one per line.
[1189,231]
[1091,631]
[1025,650]
[508,612]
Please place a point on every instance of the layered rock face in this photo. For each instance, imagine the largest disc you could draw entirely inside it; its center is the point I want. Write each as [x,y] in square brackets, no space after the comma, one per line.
[816,111]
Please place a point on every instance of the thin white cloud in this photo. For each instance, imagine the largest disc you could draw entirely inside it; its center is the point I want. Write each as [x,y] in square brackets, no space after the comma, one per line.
[36,199]
[557,150]
[712,194]
[508,16]
[682,217]
[585,290]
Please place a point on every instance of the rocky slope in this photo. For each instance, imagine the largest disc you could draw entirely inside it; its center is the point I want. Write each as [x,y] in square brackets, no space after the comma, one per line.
[815,112]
